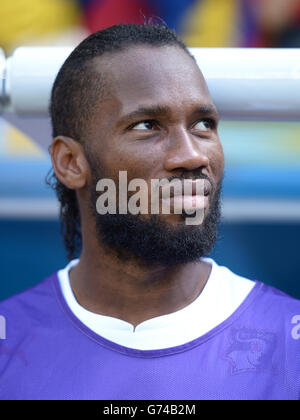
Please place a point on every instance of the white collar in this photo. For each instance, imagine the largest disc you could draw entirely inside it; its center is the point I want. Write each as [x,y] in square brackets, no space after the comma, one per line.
[223,294]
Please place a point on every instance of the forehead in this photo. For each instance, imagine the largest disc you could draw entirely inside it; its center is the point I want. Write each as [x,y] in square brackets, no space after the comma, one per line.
[146,75]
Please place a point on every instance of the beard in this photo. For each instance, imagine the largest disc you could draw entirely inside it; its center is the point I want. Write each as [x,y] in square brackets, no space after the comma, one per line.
[152,240]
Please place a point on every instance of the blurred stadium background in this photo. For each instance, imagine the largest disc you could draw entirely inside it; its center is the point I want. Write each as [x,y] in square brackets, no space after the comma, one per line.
[261,226]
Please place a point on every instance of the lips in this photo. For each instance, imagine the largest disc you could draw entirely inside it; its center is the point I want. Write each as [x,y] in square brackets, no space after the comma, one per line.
[189,202]
[187,194]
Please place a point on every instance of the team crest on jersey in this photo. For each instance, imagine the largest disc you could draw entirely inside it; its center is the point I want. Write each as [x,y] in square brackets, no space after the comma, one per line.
[250,350]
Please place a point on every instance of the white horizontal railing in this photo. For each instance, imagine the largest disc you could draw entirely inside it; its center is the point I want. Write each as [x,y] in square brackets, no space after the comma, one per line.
[244,83]
[234,210]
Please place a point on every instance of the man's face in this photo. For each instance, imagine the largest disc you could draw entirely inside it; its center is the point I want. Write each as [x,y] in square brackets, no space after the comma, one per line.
[156,121]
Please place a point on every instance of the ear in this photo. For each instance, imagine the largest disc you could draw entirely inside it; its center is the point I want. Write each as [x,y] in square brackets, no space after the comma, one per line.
[69,162]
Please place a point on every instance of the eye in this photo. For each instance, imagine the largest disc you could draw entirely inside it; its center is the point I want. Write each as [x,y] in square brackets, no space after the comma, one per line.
[205,125]
[144,125]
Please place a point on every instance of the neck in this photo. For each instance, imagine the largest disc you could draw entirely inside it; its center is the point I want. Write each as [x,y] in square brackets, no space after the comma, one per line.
[131,291]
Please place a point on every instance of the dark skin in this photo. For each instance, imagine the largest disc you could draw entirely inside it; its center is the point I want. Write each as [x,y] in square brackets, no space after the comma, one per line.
[173,134]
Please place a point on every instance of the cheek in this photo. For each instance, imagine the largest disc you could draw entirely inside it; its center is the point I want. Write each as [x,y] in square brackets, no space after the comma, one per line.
[138,162]
[139,158]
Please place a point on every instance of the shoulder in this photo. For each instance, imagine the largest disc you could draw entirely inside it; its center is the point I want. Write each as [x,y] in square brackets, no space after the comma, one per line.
[270,299]
[274,317]
[277,302]
[259,306]
[42,289]
[281,313]
[31,305]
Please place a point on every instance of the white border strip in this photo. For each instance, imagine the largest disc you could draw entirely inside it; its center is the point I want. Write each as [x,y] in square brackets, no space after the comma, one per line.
[266,210]
[27,209]
[234,210]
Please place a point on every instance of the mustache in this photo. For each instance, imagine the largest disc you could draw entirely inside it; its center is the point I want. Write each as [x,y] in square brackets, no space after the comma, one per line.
[193,175]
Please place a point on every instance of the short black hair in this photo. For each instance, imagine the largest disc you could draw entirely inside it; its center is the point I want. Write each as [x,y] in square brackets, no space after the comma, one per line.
[77,88]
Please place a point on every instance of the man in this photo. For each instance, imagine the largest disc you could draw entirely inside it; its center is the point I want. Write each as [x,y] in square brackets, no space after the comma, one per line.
[143,313]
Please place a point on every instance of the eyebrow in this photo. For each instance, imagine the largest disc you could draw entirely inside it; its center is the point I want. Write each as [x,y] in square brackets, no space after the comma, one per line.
[208,110]
[145,111]
[155,111]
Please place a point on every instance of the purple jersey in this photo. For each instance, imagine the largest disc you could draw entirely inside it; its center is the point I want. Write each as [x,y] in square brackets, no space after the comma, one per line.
[49,354]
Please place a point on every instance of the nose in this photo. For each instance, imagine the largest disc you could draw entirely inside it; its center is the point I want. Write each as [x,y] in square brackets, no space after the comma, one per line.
[185,152]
